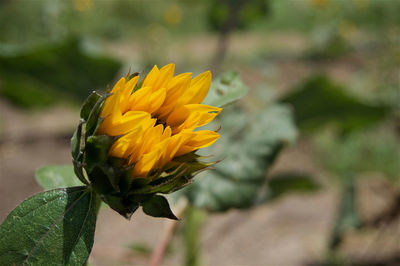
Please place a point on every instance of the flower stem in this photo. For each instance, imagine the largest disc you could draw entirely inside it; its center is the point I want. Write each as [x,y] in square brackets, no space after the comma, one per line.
[166,235]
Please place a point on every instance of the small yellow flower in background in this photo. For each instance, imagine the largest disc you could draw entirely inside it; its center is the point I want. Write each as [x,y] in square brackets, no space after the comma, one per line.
[82,5]
[173,15]
[157,120]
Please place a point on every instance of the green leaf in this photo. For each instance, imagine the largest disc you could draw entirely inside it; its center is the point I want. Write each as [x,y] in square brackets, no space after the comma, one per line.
[319,101]
[284,183]
[158,206]
[249,144]
[51,228]
[57,71]
[225,89]
[57,176]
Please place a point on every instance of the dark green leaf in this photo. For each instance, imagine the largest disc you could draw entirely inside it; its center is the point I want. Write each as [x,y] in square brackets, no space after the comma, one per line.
[60,71]
[248,145]
[319,102]
[51,228]
[57,176]
[283,183]
[158,206]
[89,104]
[225,89]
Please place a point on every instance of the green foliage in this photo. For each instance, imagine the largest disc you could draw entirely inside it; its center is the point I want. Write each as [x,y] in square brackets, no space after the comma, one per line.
[57,176]
[51,228]
[193,223]
[249,12]
[28,93]
[290,182]
[140,248]
[328,44]
[41,75]
[361,152]
[225,89]
[249,144]
[347,217]
[318,102]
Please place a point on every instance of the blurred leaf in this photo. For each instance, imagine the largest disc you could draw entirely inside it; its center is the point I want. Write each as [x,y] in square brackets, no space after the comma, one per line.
[55,227]
[56,71]
[318,102]
[28,92]
[283,183]
[249,144]
[219,12]
[57,176]
[348,218]
[225,89]
[193,223]
[141,248]
[377,151]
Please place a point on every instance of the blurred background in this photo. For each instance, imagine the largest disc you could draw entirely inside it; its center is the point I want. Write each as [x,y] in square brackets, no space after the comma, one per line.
[333,192]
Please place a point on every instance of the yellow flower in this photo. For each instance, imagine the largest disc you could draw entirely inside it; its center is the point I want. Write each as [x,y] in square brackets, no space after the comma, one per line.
[157,120]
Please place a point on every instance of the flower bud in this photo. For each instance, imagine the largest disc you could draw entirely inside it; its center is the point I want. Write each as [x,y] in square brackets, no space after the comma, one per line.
[139,140]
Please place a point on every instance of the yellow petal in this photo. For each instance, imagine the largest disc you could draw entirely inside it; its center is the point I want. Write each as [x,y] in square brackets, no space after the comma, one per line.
[151,77]
[121,148]
[149,160]
[202,139]
[128,122]
[112,100]
[164,77]
[156,100]
[191,116]
[126,93]
[139,100]
[197,91]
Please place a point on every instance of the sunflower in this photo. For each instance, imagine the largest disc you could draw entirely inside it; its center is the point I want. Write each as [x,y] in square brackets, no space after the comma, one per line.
[156,120]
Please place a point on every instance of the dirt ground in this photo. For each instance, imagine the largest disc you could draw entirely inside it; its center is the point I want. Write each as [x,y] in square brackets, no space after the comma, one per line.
[293,230]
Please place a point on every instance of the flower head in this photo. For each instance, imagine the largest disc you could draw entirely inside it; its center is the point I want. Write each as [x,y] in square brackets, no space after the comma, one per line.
[139,139]
[156,121]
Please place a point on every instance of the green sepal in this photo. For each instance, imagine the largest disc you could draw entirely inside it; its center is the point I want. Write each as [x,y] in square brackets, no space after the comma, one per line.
[124,205]
[94,120]
[96,150]
[77,147]
[89,104]
[100,181]
[158,206]
[191,167]
[79,171]
[172,182]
